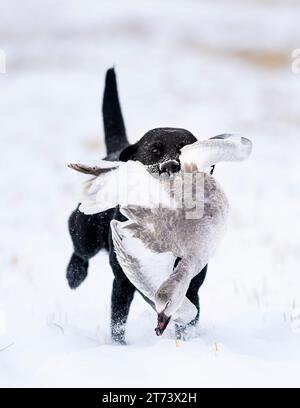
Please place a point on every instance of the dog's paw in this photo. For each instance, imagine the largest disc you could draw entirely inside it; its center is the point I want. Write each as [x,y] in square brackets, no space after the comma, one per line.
[77,271]
[186,333]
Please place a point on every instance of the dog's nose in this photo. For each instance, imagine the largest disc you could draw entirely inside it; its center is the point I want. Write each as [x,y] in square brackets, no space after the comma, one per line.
[170,166]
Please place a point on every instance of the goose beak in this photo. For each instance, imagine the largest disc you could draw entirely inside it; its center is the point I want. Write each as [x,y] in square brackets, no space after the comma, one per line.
[162,323]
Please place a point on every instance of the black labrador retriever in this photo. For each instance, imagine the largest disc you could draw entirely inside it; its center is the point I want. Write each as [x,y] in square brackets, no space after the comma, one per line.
[90,233]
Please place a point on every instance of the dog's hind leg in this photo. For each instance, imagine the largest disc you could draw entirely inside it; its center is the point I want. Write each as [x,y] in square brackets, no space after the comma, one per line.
[89,234]
[77,270]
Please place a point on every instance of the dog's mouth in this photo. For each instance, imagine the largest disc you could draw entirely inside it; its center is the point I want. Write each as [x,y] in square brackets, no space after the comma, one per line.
[169,167]
[165,169]
[162,323]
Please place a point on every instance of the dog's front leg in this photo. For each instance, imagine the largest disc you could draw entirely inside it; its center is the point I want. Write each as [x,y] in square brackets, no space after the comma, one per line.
[122,296]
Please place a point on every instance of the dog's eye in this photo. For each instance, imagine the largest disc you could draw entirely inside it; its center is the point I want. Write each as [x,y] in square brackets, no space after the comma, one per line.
[155,150]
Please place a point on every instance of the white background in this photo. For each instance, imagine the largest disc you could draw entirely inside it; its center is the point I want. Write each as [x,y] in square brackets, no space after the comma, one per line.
[209,66]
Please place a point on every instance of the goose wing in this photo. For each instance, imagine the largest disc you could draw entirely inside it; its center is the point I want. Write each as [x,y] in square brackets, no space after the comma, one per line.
[118,183]
[128,259]
[104,167]
[99,193]
[206,153]
[146,270]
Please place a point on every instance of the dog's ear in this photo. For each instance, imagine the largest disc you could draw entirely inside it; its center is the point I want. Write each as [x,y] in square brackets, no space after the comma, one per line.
[128,153]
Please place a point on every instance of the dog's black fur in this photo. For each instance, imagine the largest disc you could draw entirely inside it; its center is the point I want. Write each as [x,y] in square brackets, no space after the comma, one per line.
[90,233]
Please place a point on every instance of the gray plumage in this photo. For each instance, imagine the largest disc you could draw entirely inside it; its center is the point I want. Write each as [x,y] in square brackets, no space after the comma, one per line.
[168,230]
[173,227]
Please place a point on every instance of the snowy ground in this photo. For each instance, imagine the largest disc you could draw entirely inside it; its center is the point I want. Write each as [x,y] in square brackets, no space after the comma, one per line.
[210,67]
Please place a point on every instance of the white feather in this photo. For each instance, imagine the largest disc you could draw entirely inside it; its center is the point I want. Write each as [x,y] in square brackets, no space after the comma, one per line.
[128,184]
[206,153]
[145,269]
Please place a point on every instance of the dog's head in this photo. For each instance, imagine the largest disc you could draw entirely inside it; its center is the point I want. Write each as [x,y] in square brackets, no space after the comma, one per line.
[159,149]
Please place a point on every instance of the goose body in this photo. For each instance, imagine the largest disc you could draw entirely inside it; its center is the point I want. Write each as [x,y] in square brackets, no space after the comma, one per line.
[163,224]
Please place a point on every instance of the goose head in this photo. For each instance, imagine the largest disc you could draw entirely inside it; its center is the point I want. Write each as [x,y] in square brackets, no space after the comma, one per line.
[168,299]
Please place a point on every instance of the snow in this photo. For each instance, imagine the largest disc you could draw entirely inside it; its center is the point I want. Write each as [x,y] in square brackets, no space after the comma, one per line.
[210,67]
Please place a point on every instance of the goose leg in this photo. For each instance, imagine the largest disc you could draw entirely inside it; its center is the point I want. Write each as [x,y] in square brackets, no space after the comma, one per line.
[182,331]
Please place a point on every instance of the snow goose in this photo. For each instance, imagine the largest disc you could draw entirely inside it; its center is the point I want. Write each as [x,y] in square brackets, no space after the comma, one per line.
[164,224]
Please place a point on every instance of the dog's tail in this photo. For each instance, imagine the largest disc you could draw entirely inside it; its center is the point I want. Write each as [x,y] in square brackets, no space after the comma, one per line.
[114,128]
